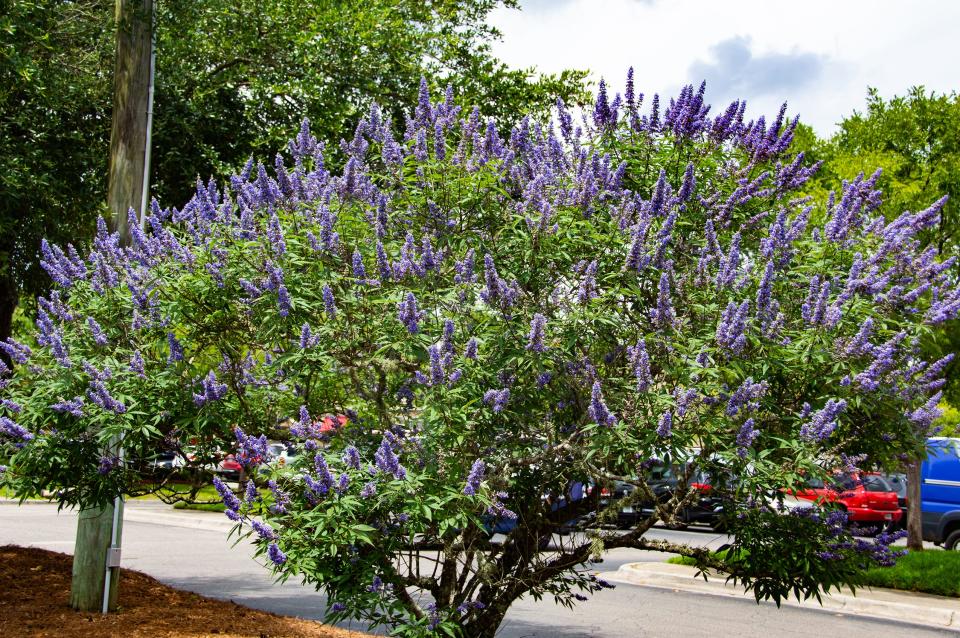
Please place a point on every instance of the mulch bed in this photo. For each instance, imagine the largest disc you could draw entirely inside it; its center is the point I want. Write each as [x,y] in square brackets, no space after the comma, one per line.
[35,591]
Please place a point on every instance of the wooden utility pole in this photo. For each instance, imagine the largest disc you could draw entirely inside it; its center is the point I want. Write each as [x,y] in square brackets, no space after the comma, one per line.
[96,554]
[131,103]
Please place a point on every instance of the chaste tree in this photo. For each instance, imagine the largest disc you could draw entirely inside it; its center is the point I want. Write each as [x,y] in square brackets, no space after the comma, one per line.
[511,324]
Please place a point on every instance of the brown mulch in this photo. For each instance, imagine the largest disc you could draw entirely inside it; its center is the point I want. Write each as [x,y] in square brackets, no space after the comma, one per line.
[35,591]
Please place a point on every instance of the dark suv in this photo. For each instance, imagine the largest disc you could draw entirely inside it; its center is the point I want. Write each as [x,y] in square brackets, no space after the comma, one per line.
[707,508]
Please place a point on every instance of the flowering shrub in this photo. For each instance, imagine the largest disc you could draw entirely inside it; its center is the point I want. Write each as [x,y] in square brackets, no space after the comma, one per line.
[510,323]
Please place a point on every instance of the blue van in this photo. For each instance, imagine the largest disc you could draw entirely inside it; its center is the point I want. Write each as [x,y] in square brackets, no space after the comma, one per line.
[940,492]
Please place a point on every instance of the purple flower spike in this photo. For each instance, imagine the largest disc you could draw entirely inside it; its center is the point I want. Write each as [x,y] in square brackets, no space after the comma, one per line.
[598,410]
[277,557]
[745,438]
[497,399]
[409,314]
[477,471]
[665,425]
[98,337]
[329,306]
[823,422]
[641,365]
[470,352]
[536,335]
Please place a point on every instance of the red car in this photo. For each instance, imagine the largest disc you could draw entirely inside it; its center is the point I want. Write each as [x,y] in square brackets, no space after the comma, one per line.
[867,498]
[230,468]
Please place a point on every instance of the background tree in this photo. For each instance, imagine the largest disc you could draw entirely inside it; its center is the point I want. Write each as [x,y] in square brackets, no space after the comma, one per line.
[914,140]
[233,79]
[504,320]
[55,87]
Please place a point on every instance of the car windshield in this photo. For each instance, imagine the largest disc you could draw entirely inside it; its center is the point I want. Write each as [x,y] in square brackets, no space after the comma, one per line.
[661,473]
[876,484]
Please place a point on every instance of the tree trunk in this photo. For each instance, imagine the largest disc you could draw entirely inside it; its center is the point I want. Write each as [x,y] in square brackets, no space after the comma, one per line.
[914,508]
[128,139]
[487,622]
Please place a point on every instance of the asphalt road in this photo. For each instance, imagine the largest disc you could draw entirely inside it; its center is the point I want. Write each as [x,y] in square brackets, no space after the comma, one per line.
[203,561]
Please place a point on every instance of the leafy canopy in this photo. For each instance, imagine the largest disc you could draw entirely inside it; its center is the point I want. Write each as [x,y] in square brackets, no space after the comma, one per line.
[509,324]
[233,79]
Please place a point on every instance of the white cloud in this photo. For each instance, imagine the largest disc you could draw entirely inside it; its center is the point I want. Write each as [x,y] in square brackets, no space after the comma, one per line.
[820,56]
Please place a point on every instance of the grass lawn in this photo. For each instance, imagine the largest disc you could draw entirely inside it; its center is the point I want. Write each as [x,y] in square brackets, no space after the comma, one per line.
[206,493]
[202,507]
[932,571]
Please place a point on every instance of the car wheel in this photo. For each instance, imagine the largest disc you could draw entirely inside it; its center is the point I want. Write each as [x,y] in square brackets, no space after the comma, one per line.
[953,540]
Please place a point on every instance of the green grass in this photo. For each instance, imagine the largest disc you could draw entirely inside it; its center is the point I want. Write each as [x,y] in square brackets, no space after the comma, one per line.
[682,560]
[200,507]
[932,571]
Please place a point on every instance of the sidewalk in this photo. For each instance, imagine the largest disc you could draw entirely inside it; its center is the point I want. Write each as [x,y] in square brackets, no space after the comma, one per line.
[922,609]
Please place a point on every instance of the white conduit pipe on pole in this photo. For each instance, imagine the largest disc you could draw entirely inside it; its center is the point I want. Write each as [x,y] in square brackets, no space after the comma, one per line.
[146,152]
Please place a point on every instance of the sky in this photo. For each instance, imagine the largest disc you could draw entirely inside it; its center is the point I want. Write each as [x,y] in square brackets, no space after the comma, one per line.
[817,55]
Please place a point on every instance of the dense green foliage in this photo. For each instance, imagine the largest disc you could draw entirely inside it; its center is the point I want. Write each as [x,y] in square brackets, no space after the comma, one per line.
[927,572]
[233,79]
[914,140]
[54,133]
[508,323]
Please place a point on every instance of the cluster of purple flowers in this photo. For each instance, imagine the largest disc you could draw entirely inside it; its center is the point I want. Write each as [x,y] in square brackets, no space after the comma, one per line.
[823,422]
[63,268]
[640,361]
[588,285]
[746,396]
[746,436]
[497,291]
[731,331]
[386,458]
[441,365]
[251,450]
[14,431]
[497,399]
[51,335]
[307,338]
[598,411]
[276,555]
[351,457]
[230,500]
[537,332]
[409,314]
[175,349]
[97,392]
[475,477]
[663,314]
[99,337]
[329,305]
[212,390]
[498,509]
[72,406]
[325,480]
[665,425]
[18,352]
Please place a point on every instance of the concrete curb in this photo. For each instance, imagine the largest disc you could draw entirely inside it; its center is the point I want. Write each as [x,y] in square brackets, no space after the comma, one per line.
[155,513]
[207,522]
[920,609]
